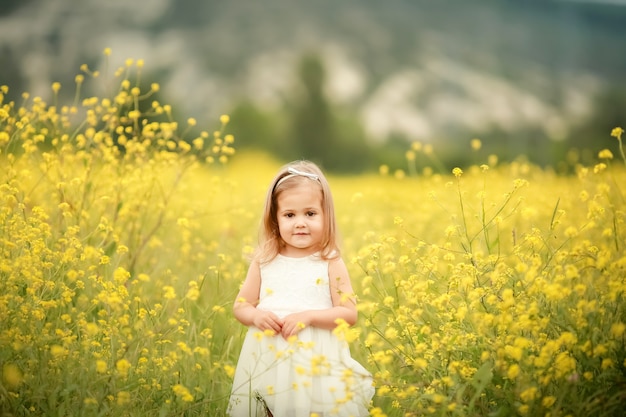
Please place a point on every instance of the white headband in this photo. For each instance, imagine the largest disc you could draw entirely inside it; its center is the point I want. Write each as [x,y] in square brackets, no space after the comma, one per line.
[294,173]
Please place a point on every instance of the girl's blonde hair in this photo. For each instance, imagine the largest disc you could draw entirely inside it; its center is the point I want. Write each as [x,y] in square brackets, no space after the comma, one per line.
[270,242]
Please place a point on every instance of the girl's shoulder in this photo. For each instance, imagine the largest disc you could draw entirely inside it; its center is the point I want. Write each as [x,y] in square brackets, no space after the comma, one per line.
[330,254]
[336,261]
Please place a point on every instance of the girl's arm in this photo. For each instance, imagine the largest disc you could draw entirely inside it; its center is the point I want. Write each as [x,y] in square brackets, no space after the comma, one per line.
[344,304]
[244,307]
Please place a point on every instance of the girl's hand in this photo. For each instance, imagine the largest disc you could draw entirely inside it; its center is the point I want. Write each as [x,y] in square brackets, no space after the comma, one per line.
[294,323]
[266,320]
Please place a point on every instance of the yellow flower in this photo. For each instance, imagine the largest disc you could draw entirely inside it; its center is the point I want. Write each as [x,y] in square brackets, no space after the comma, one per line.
[57,350]
[617,132]
[399,174]
[519,183]
[420,363]
[343,331]
[101,366]
[438,398]
[391,333]
[121,275]
[182,392]
[605,154]
[123,366]
[476,144]
[90,401]
[169,293]
[564,364]
[568,339]
[11,375]
[457,172]
[193,293]
[599,168]
[617,330]
[123,397]
[514,352]
[528,394]
[230,370]
[548,401]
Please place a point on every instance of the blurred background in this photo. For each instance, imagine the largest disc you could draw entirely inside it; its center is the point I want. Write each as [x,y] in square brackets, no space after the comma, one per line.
[350,84]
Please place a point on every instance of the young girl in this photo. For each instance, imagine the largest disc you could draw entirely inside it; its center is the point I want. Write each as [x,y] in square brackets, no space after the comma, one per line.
[296,292]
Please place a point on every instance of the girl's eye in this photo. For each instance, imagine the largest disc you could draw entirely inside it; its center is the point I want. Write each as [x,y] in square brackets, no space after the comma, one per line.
[311,213]
[289,215]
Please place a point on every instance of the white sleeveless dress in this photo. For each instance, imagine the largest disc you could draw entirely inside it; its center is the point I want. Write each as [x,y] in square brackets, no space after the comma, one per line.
[313,375]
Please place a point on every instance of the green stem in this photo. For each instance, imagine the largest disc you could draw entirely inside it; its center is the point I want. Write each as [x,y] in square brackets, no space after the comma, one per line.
[469,241]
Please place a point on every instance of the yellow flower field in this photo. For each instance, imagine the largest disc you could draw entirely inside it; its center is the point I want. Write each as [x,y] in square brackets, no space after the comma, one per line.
[494,289]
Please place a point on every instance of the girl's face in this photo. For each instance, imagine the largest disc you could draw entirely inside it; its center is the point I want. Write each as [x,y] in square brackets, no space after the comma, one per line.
[301,219]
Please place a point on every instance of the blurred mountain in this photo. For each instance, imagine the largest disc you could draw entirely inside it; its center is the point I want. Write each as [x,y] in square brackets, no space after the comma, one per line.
[419,69]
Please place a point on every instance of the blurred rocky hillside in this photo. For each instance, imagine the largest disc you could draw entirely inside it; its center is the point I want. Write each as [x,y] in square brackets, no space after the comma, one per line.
[416,70]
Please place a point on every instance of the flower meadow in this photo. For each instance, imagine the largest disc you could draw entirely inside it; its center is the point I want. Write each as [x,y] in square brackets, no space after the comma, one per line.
[494,289]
